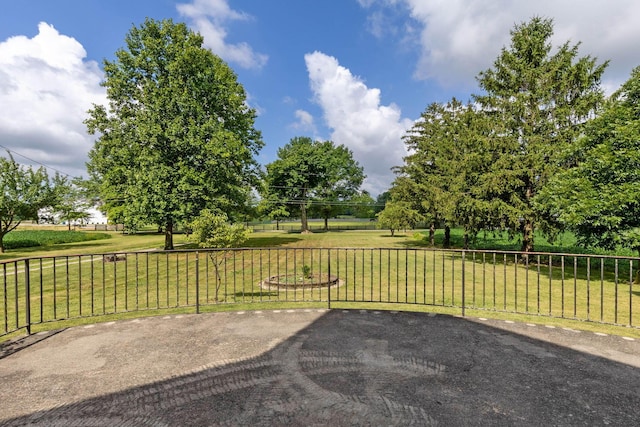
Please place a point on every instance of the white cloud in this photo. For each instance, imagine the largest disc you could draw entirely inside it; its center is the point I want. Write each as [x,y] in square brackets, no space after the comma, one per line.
[209,17]
[288,100]
[304,122]
[460,38]
[354,112]
[46,88]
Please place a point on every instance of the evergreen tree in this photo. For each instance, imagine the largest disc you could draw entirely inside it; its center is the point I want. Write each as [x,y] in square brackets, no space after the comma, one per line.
[538,102]
[442,176]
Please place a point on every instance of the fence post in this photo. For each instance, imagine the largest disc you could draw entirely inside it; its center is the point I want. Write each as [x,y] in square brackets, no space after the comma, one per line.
[197,282]
[463,277]
[329,277]
[27,295]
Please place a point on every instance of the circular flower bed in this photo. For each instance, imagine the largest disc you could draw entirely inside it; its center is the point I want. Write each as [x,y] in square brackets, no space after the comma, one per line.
[300,281]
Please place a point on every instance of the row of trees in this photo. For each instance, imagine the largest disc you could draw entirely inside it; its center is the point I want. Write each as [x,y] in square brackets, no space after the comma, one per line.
[178,139]
[539,149]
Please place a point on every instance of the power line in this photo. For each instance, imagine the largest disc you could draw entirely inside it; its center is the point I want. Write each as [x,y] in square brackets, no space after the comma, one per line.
[36,161]
[316,202]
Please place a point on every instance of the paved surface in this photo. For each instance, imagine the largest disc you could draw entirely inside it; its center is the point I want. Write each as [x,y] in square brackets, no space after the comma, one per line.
[318,367]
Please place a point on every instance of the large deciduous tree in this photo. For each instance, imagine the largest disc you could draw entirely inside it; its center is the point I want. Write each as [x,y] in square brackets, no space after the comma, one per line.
[538,101]
[177,135]
[599,198]
[312,173]
[342,178]
[24,192]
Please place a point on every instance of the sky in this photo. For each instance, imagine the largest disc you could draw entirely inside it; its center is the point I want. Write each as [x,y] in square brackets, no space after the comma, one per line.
[357,72]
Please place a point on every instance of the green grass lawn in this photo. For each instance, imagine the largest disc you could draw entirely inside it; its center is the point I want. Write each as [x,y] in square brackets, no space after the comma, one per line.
[109,241]
[398,273]
[61,242]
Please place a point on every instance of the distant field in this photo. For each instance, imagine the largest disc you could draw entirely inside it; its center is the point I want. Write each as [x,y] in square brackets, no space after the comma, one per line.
[89,243]
[40,241]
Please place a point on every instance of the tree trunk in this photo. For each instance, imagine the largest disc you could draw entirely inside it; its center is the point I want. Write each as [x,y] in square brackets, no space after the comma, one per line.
[303,211]
[168,235]
[527,228]
[432,234]
[303,217]
[216,263]
[527,236]
[466,240]
[326,223]
[447,237]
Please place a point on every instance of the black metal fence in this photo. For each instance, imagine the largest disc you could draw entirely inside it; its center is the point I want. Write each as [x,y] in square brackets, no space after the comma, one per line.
[314,226]
[318,225]
[583,287]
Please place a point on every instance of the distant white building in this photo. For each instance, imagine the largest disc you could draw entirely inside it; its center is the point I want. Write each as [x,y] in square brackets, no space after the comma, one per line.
[95,217]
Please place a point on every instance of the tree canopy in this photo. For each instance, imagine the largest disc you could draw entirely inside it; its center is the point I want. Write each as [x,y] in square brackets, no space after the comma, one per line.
[212,229]
[24,192]
[398,215]
[311,173]
[483,165]
[70,202]
[177,135]
[442,175]
[599,198]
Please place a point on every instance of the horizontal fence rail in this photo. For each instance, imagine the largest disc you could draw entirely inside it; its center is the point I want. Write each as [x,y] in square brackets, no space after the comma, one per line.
[594,288]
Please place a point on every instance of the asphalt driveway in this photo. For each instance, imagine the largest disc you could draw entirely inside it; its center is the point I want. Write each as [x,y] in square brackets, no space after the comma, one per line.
[319,367]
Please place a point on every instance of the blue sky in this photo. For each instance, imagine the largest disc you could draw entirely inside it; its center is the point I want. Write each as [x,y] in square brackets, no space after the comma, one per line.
[358,72]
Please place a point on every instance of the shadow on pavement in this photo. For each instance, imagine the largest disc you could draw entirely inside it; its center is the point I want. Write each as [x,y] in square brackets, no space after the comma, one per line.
[8,348]
[338,368]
